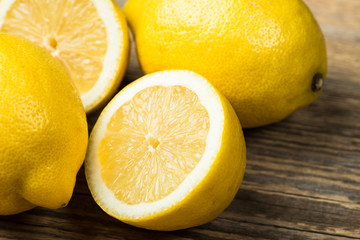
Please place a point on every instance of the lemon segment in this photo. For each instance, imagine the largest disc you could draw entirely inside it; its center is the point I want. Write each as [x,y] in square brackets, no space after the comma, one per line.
[90,38]
[166,153]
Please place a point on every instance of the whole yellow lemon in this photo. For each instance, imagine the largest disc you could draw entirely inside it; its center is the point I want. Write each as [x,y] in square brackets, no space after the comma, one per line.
[43,128]
[268,57]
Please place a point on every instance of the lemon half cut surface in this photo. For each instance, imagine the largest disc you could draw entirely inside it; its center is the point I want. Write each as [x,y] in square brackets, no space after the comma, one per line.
[89,37]
[166,153]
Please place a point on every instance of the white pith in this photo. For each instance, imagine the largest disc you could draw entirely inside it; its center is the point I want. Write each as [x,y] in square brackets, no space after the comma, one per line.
[208,98]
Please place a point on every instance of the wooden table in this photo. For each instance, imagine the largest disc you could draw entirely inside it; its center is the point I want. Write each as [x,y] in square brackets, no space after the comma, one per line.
[303,174]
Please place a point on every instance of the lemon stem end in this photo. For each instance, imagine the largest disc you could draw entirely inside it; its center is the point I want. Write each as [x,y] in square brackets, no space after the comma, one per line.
[317,82]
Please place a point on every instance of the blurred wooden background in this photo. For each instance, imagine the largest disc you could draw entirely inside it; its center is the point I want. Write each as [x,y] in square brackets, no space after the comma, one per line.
[303,174]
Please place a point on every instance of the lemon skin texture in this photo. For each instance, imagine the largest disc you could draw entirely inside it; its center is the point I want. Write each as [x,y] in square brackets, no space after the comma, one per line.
[262,54]
[43,128]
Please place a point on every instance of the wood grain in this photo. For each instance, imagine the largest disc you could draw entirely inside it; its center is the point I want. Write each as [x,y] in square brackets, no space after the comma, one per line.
[303,173]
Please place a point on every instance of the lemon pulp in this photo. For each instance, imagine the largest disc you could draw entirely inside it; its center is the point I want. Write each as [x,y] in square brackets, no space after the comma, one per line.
[156,138]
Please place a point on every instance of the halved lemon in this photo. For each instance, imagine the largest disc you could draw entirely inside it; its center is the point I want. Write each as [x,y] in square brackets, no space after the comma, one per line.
[89,37]
[166,153]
